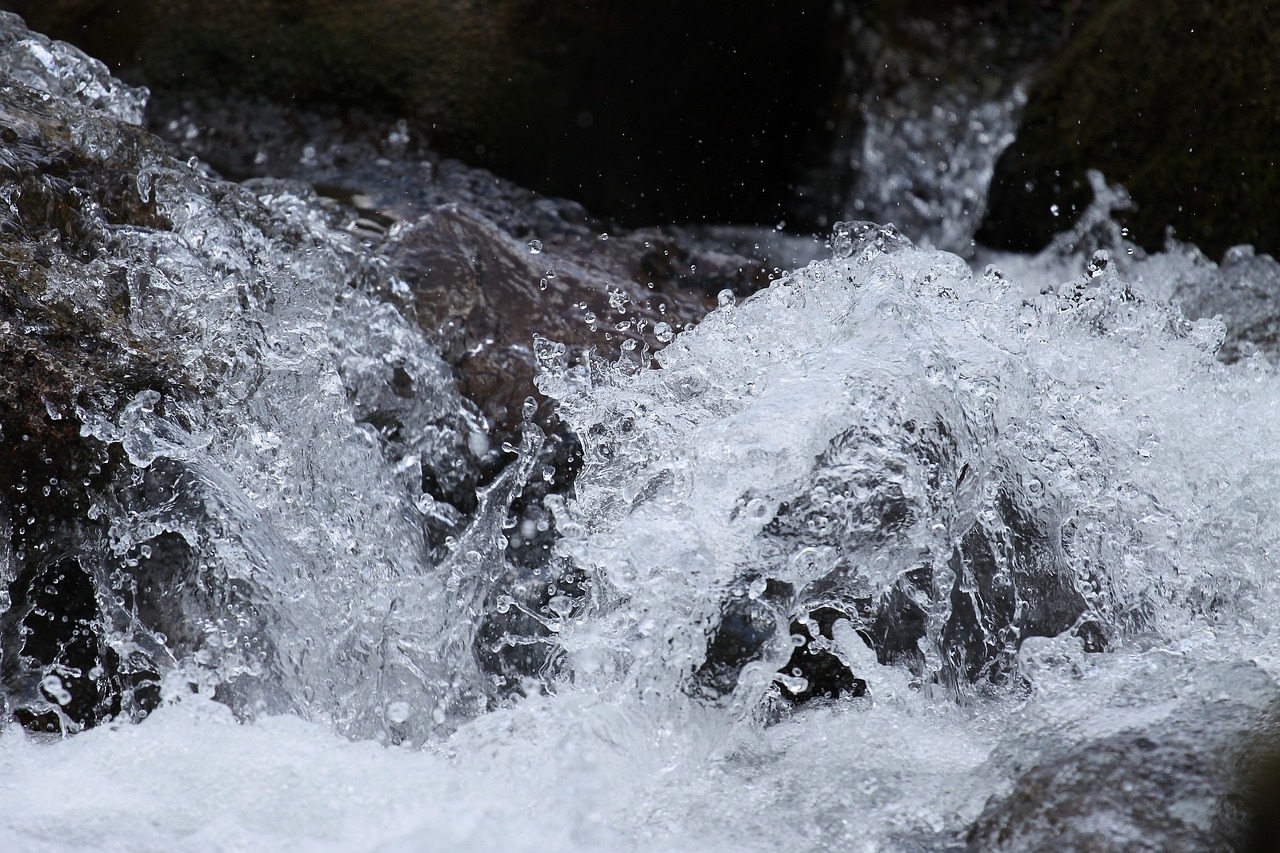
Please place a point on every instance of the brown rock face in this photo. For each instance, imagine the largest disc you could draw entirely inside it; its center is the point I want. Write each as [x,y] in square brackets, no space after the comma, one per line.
[487,294]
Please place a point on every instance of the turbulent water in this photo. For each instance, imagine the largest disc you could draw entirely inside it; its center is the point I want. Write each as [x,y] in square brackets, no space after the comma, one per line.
[1025,515]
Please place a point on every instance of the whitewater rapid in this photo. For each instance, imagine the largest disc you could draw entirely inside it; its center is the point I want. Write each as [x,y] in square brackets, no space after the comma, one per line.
[1038,509]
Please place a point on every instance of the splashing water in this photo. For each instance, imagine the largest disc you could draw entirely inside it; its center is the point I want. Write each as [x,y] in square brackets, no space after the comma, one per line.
[1035,517]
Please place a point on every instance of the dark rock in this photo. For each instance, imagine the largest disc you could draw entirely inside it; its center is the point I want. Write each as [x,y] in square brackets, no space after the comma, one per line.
[645,111]
[106,370]
[1172,786]
[1244,290]
[486,295]
[1177,102]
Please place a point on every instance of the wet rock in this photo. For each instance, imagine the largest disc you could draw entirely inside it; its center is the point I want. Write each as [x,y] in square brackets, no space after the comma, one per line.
[1188,131]
[1009,578]
[487,294]
[141,302]
[67,178]
[1172,786]
[1244,290]
[490,263]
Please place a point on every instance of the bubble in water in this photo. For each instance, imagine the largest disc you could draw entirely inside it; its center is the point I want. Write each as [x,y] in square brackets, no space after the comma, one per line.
[478,443]
[850,238]
[841,240]
[52,685]
[535,247]
[757,510]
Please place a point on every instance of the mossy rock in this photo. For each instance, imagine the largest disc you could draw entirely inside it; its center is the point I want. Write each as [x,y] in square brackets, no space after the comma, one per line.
[1179,102]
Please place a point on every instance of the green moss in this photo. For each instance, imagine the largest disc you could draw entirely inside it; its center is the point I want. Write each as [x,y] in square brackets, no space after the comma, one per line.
[1178,101]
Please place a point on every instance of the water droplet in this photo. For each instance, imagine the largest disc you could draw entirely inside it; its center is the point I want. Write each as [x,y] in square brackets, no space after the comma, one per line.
[725,298]
[535,247]
[604,235]
[663,332]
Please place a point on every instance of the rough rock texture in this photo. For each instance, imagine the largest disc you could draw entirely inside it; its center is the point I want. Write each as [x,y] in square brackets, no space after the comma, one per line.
[1245,292]
[1177,101]
[1178,785]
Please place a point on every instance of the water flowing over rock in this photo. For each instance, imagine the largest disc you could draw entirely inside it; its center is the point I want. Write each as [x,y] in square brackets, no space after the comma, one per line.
[933,93]
[192,346]
[881,553]
[1172,788]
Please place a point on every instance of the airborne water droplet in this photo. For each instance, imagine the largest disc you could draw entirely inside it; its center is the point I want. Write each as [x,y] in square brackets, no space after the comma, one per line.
[535,247]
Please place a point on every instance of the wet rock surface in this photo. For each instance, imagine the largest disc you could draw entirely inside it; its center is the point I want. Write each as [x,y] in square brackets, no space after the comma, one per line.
[1244,290]
[120,337]
[1176,785]
[1188,132]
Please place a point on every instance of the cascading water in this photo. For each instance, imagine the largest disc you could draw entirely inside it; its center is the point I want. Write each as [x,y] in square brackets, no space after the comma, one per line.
[998,536]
